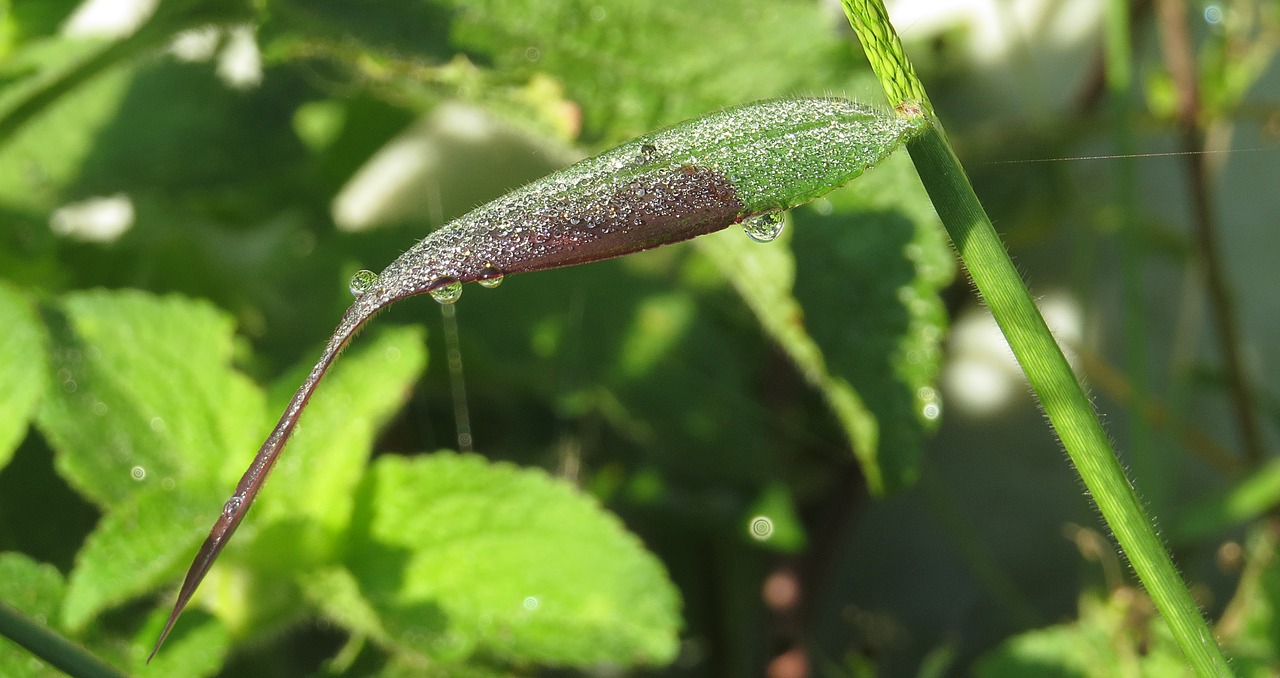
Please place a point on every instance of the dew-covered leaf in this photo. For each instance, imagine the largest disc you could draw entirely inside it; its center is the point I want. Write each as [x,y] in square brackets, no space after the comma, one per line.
[462,557]
[22,368]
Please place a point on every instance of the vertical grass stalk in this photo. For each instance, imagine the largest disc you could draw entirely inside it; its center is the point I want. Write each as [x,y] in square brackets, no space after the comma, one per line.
[1060,393]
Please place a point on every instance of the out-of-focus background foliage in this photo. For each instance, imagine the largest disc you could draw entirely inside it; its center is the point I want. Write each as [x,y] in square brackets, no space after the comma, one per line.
[807,457]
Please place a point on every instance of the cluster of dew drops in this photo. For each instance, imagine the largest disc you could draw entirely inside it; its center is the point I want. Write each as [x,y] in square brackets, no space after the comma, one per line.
[449,290]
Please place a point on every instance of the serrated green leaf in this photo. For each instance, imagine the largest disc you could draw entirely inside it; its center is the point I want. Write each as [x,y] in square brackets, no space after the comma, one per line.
[140,394]
[463,557]
[882,267]
[141,410]
[35,589]
[876,363]
[632,65]
[134,547]
[22,368]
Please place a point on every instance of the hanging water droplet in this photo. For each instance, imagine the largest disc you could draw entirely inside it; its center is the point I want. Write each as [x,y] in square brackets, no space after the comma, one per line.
[362,282]
[491,276]
[765,227]
[449,291]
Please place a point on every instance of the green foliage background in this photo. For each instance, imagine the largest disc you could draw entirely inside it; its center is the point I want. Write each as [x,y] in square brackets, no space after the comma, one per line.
[632,419]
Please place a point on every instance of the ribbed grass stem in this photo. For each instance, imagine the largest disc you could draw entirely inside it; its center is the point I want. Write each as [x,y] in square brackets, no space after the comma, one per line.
[1060,393]
[52,648]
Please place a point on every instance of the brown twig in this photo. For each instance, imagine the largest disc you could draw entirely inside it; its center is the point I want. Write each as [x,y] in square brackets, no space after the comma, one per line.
[1178,57]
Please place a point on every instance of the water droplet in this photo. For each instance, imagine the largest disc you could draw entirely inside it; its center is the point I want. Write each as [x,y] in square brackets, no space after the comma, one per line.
[648,153]
[449,291]
[531,603]
[765,227]
[138,473]
[232,505]
[362,282]
[761,528]
[491,276]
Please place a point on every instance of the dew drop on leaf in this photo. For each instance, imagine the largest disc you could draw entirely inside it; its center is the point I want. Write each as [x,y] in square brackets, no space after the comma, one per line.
[765,227]
[362,282]
[491,276]
[448,292]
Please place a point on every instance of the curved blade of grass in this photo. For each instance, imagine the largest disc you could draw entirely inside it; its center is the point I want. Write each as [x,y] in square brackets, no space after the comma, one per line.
[680,182]
[1055,385]
[52,647]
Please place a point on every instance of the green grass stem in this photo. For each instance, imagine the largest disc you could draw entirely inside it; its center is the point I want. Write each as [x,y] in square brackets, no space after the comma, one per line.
[1060,393]
[52,648]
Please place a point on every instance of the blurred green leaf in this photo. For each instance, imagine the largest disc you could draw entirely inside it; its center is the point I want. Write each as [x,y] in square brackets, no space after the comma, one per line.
[1109,638]
[634,65]
[774,522]
[22,368]
[1248,499]
[1249,628]
[35,589]
[869,276]
[462,557]
[44,155]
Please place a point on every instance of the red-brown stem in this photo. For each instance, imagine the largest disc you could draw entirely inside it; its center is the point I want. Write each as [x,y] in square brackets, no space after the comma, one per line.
[251,482]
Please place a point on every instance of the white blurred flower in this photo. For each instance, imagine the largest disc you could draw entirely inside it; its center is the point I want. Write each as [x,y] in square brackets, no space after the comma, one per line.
[982,377]
[108,18]
[95,219]
[240,63]
[196,44]
[239,60]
